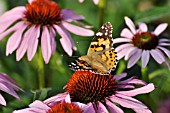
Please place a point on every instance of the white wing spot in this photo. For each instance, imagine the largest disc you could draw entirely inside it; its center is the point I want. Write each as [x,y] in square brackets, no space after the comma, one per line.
[99,34]
[106,33]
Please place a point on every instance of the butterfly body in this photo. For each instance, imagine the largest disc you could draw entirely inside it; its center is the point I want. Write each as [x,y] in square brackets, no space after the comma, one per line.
[101,57]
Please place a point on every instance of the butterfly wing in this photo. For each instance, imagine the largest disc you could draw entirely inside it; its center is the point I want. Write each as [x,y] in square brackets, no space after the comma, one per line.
[102,40]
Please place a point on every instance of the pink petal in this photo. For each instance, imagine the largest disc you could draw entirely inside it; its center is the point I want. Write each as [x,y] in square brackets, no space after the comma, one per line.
[96,1]
[143,27]
[125,86]
[123,46]
[164,44]
[67,99]
[52,40]
[89,109]
[113,108]
[39,105]
[120,40]
[133,81]
[130,52]
[160,28]
[164,40]
[130,24]
[24,43]
[119,77]
[69,37]
[101,108]
[77,30]
[2,100]
[166,51]
[33,43]
[64,40]
[15,39]
[12,29]
[46,45]
[126,33]
[10,17]
[129,102]
[145,58]
[157,55]
[70,16]
[56,98]
[134,58]
[145,89]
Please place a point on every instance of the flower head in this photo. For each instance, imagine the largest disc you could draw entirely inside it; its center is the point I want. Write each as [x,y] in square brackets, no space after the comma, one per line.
[60,103]
[141,43]
[100,92]
[9,86]
[38,22]
[95,1]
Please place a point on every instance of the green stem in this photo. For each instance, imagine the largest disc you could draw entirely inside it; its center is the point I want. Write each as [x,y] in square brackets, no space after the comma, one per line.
[145,74]
[101,6]
[41,76]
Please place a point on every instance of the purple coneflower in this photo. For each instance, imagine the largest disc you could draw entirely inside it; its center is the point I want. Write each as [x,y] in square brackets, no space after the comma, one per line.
[60,103]
[95,1]
[38,22]
[140,43]
[9,86]
[101,92]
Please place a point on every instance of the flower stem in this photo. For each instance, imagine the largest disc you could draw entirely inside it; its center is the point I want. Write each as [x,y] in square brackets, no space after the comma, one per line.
[145,74]
[41,76]
[101,6]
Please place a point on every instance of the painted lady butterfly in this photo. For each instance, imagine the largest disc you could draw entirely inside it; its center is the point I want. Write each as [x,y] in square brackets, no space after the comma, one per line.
[101,57]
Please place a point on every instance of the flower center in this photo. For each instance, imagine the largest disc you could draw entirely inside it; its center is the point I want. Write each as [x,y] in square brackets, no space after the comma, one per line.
[64,107]
[145,40]
[43,12]
[86,87]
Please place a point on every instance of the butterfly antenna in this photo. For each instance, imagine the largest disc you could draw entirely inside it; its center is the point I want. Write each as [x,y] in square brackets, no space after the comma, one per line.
[68,56]
[79,48]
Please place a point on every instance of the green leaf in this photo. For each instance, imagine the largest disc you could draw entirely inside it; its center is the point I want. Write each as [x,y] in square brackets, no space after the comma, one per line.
[152,14]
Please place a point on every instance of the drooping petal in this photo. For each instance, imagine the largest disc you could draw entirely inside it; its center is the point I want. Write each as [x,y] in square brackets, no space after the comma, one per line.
[70,16]
[123,46]
[157,55]
[145,89]
[130,52]
[132,81]
[145,58]
[15,39]
[130,24]
[166,51]
[65,42]
[89,109]
[160,28]
[120,40]
[11,16]
[67,99]
[52,40]
[77,30]
[143,27]
[101,108]
[46,45]
[164,44]
[39,105]
[33,43]
[129,102]
[118,77]
[164,40]
[96,1]
[113,108]
[2,100]
[134,58]
[126,33]
[54,99]
[24,43]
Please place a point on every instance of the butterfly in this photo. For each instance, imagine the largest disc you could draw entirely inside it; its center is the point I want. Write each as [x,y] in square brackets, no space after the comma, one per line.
[101,57]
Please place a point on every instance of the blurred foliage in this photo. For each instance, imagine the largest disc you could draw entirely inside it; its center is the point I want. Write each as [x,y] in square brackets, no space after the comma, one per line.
[57,72]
